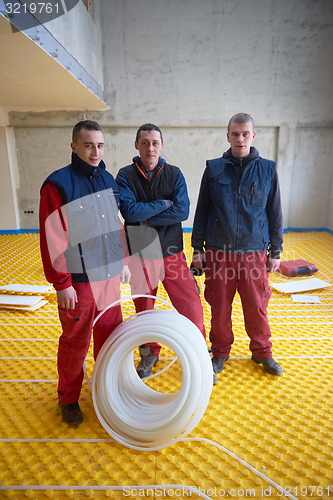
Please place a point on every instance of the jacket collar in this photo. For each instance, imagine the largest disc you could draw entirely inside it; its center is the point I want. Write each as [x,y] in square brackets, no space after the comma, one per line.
[254,154]
[86,169]
[140,166]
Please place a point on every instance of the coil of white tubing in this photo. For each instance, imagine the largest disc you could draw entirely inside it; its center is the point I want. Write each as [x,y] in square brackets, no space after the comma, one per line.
[131,412]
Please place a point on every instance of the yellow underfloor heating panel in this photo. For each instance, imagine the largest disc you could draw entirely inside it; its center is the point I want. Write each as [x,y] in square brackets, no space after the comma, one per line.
[261,437]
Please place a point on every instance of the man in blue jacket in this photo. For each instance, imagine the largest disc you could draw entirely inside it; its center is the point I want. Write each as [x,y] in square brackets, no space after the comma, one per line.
[238,235]
[84,254]
[154,202]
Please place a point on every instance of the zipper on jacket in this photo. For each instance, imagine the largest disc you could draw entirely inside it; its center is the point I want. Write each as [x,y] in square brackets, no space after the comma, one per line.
[239,190]
[240,178]
[237,231]
[238,197]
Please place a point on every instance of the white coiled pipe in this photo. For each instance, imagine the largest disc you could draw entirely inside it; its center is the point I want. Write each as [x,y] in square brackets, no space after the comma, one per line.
[131,412]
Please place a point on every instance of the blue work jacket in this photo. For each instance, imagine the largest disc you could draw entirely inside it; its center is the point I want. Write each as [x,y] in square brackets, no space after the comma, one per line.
[239,213]
[144,201]
[91,204]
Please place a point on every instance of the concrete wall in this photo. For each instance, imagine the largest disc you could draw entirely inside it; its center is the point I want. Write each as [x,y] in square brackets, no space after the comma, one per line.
[34,167]
[188,66]
[80,34]
[195,62]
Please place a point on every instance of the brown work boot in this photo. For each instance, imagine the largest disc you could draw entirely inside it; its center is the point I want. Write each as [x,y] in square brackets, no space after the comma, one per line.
[71,413]
[148,360]
[270,365]
[218,363]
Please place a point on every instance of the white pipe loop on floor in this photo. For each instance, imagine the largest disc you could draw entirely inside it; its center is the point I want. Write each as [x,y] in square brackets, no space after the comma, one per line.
[131,412]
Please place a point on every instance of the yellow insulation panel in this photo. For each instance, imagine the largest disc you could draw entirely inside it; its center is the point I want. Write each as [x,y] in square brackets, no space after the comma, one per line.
[259,432]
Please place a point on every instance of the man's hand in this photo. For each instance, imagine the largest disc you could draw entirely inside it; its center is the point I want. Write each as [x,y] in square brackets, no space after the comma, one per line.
[67,298]
[273,264]
[197,260]
[168,203]
[125,275]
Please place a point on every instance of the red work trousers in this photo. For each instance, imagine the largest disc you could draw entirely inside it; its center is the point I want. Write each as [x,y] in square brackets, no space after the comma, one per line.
[247,273]
[178,281]
[76,332]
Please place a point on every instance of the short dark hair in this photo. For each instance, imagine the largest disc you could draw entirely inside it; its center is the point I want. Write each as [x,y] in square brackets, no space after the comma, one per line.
[241,118]
[148,127]
[84,124]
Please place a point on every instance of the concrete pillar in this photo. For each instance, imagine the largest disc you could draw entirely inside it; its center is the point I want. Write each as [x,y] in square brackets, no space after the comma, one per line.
[9,214]
[311,181]
[285,162]
[330,212]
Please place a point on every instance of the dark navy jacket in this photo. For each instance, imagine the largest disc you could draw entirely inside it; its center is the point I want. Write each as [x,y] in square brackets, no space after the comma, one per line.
[142,200]
[239,209]
[91,203]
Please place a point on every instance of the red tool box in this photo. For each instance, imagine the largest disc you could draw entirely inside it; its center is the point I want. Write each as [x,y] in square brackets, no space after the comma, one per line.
[297,268]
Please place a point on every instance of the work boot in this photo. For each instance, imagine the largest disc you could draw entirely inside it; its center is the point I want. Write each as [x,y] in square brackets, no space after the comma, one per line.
[214,376]
[148,360]
[218,363]
[71,413]
[270,365]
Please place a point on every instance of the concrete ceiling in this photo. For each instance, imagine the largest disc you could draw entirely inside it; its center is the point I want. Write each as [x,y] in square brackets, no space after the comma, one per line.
[31,79]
